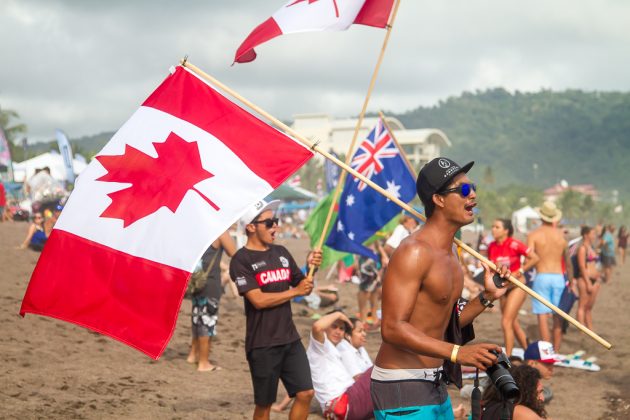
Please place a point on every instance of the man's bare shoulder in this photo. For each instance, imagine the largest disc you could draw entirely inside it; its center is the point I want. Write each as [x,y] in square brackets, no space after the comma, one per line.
[416,244]
[415,249]
[534,233]
[412,259]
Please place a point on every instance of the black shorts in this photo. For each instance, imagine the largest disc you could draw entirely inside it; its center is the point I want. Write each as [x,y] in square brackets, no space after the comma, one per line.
[287,362]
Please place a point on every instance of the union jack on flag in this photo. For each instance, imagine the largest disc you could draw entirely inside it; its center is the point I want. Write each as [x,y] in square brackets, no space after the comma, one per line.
[379,159]
[368,160]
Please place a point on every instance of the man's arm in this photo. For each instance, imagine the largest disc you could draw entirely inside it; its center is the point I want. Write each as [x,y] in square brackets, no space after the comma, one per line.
[491,293]
[319,327]
[248,287]
[531,259]
[531,244]
[262,300]
[302,286]
[228,243]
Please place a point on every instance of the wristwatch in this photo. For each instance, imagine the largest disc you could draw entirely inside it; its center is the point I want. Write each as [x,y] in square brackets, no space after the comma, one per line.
[485,302]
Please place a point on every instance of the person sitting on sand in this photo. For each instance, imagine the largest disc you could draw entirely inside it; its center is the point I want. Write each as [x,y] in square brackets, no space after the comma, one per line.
[36,237]
[354,356]
[339,394]
[529,406]
[542,356]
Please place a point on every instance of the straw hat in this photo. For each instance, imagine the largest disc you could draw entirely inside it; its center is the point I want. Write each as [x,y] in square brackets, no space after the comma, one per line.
[549,212]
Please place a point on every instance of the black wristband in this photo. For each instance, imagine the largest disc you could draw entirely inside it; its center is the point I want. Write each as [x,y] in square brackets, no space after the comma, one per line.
[485,302]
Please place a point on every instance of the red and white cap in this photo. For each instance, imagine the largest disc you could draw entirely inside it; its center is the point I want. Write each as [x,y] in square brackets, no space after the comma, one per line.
[541,351]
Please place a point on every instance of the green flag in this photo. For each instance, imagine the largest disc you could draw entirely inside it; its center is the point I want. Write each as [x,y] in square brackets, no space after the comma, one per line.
[315,223]
[314,226]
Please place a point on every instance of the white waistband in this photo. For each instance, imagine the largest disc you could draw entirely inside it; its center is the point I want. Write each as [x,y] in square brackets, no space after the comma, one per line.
[381,374]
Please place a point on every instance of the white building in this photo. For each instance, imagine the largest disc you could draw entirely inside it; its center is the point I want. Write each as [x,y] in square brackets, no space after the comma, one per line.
[420,145]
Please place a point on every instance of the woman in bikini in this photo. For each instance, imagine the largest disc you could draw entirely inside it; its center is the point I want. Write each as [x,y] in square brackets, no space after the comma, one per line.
[36,237]
[585,271]
[506,250]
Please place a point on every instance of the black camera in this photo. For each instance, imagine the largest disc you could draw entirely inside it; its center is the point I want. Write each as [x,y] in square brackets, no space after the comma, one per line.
[502,379]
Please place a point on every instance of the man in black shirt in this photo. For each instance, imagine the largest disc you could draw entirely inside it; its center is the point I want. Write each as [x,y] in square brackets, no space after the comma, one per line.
[268,277]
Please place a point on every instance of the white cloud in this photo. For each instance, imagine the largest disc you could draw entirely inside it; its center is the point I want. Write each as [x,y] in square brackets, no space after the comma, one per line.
[85,66]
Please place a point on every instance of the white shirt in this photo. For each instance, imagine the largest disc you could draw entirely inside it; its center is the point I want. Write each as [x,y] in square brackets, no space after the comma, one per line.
[330,377]
[355,360]
[398,235]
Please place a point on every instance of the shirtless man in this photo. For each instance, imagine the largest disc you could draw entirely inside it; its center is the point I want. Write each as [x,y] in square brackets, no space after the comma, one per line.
[549,244]
[423,283]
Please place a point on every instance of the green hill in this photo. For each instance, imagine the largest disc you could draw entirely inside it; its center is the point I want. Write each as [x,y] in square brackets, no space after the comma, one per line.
[583,137]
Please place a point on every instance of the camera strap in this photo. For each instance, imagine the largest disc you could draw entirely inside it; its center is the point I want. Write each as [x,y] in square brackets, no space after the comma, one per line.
[475,398]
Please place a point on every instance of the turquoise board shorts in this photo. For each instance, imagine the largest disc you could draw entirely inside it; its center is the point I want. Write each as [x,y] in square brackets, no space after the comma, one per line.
[416,399]
[550,286]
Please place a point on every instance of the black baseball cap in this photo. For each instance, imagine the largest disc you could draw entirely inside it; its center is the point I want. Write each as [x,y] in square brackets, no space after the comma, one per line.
[436,175]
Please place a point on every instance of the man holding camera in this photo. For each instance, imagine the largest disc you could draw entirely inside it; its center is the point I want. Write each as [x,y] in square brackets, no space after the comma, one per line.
[424,326]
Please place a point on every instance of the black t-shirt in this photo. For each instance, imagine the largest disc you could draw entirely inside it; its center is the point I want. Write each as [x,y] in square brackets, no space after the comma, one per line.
[271,271]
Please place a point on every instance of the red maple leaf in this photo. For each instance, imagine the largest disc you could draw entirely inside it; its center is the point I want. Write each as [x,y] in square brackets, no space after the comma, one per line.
[313,1]
[155,182]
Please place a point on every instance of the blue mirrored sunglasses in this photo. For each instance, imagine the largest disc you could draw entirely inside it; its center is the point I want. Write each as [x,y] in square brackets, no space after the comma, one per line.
[463,189]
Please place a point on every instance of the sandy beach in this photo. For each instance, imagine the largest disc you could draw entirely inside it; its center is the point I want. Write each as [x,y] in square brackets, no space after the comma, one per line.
[53,369]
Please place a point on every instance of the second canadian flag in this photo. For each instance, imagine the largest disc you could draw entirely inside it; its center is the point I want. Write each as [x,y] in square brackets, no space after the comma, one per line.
[315,15]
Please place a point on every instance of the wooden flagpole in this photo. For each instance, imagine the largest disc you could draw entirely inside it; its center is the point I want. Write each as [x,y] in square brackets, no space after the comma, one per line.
[402,152]
[405,206]
[349,153]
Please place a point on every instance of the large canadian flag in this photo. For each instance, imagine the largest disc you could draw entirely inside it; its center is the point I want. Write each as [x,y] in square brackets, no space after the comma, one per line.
[179,172]
[315,15]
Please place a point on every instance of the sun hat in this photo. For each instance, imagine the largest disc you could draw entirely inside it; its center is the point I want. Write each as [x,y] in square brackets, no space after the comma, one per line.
[549,212]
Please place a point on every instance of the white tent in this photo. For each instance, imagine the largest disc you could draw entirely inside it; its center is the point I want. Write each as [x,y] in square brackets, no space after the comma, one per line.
[525,219]
[26,169]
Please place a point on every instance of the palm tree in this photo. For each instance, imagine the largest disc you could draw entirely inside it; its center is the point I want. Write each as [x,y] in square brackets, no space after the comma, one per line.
[12,131]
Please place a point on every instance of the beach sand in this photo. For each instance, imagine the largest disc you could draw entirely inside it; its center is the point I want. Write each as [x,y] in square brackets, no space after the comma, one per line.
[54,369]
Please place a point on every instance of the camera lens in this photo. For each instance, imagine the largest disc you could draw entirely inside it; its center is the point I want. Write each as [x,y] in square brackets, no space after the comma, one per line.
[506,385]
[502,379]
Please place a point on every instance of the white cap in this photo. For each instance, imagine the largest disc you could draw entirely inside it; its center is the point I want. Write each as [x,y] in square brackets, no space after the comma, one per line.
[255,210]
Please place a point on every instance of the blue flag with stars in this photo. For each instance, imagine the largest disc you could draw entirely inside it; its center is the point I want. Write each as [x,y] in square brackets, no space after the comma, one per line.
[362,210]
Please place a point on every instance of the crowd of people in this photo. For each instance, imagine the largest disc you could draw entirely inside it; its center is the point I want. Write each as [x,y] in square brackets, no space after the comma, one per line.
[425,316]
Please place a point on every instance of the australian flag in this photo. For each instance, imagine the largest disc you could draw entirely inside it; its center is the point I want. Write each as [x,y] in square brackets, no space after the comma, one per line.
[362,210]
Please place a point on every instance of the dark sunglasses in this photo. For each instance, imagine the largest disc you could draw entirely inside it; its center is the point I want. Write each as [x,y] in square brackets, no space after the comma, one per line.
[463,189]
[268,222]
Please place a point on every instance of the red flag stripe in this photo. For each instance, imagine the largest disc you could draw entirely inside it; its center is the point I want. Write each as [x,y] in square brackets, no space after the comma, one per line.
[267,152]
[375,13]
[267,30]
[128,298]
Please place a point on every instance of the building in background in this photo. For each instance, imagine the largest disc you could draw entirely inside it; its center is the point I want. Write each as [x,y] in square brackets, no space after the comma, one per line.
[553,193]
[420,145]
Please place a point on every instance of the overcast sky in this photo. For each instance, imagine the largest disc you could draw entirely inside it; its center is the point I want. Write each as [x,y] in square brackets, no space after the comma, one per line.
[85,65]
